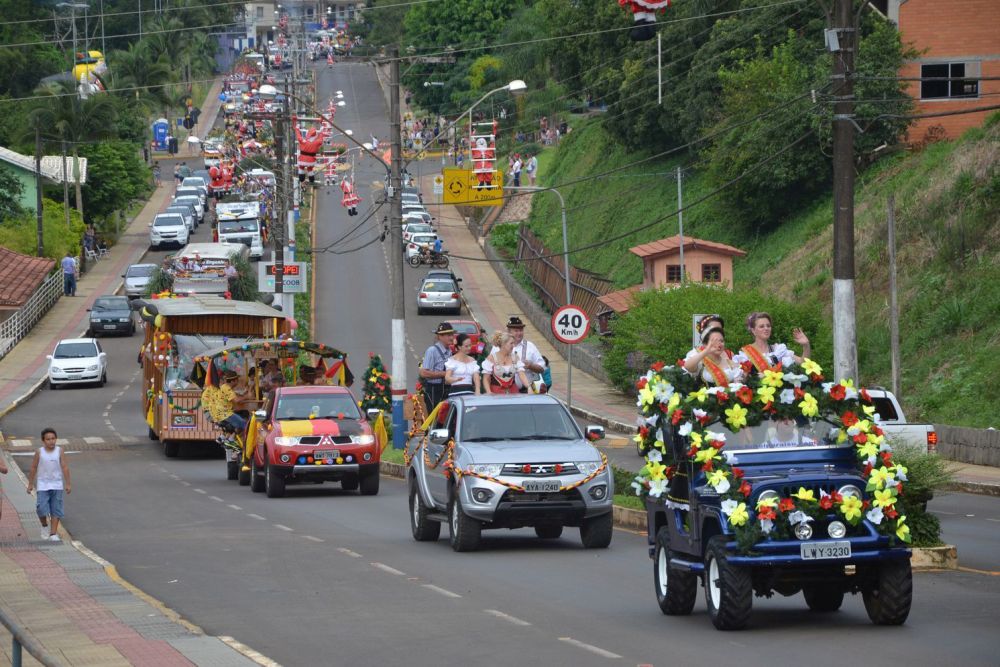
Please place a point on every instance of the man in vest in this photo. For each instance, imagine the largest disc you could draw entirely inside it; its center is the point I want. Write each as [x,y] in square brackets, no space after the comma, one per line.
[527,352]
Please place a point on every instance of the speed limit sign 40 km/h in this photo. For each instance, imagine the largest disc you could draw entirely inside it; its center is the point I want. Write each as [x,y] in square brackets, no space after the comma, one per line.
[570,324]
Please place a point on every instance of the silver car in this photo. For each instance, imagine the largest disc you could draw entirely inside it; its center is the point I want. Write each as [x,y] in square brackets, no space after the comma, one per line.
[137,277]
[438,295]
[509,461]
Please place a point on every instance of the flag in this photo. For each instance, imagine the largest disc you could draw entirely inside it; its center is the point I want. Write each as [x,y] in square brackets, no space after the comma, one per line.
[381,435]
[150,417]
[387,156]
[340,371]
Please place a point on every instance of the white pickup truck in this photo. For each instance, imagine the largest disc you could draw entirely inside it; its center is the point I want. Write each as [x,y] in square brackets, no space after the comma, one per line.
[897,429]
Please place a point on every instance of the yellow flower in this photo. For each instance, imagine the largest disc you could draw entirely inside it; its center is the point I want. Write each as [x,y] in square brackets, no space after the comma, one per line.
[809,406]
[767,502]
[805,494]
[885,498]
[851,508]
[868,410]
[811,367]
[695,439]
[736,417]
[875,439]
[656,470]
[675,400]
[706,455]
[879,477]
[868,449]
[717,477]
[646,396]
[902,530]
[739,516]
[766,395]
[699,395]
[772,378]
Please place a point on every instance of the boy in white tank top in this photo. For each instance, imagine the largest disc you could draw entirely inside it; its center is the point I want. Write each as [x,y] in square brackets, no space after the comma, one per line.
[50,476]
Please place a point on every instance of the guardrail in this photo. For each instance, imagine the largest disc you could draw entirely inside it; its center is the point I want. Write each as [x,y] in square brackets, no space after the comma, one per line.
[19,639]
[17,326]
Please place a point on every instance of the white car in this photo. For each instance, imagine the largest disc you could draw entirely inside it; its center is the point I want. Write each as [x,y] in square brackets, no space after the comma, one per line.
[168,228]
[77,361]
[416,241]
[199,207]
[412,227]
[422,216]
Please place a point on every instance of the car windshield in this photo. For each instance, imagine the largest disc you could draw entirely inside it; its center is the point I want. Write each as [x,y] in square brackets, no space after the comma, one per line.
[518,421]
[466,328]
[140,271]
[75,350]
[179,210]
[419,228]
[191,197]
[111,303]
[438,286]
[237,226]
[168,221]
[316,406]
[781,434]
[423,238]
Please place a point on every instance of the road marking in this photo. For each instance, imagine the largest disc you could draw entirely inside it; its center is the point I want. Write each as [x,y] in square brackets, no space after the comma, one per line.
[589,647]
[994,520]
[970,516]
[172,476]
[352,554]
[234,507]
[62,442]
[94,441]
[387,569]
[21,443]
[200,491]
[185,483]
[973,570]
[256,516]
[104,414]
[282,526]
[443,591]
[313,539]
[506,617]
[216,499]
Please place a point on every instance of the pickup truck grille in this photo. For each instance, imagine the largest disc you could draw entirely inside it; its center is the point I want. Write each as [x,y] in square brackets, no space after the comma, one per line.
[512,496]
[317,439]
[540,469]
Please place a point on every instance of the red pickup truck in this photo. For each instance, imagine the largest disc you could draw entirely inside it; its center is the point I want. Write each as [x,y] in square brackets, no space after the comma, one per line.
[310,434]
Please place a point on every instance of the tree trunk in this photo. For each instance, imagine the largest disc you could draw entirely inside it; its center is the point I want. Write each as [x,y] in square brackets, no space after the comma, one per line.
[76,177]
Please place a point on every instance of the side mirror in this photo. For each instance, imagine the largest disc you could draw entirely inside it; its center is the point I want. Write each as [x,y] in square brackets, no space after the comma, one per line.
[123,275]
[438,436]
[49,357]
[260,414]
[89,309]
[595,433]
[372,414]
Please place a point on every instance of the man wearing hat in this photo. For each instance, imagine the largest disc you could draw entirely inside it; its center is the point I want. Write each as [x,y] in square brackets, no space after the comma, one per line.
[432,368]
[526,352]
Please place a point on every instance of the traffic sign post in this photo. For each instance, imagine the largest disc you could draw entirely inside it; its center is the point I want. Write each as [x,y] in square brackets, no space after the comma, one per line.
[461,187]
[570,325]
[439,184]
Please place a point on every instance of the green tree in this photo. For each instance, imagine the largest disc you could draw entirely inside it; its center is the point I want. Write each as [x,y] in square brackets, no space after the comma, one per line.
[10,195]
[115,177]
[377,394]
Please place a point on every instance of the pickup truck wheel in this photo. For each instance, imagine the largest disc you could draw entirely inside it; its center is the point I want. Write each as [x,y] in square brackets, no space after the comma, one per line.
[243,477]
[549,531]
[232,470]
[823,598]
[889,602]
[349,483]
[596,533]
[676,588]
[466,532]
[256,479]
[274,484]
[423,529]
[171,448]
[728,589]
[369,484]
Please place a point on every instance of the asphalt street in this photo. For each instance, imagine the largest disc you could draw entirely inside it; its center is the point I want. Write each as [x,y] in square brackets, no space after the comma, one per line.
[326,577]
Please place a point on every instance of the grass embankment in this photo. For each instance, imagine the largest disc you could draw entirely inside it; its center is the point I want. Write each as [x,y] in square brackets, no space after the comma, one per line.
[947,202]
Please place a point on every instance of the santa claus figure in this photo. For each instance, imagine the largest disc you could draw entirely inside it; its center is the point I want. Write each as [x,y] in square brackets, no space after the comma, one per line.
[309,145]
[227,176]
[483,162]
[330,172]
[644,15]
[350,200]
[217,183]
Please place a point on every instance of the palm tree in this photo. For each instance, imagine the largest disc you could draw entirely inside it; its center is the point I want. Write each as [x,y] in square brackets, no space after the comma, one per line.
[135,68]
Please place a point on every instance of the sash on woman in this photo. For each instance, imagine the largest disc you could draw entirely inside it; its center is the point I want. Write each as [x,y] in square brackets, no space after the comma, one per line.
[758,360]
[718,374]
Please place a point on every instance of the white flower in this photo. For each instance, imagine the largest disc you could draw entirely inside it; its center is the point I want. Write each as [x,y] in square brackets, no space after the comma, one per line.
[722,486]
[663,391]
[795,379]
[735,387]
[885,446]
[716,390]
[797,517]
[875,515]
[657,488]
[729,457]
[685,429]
[850,393]
[827,386]
[787,396]
[654,455]
[728,506]
[651,421]
[870,460]
[900,475]
[699,413]
[719,437]
[766,526]
[638,486]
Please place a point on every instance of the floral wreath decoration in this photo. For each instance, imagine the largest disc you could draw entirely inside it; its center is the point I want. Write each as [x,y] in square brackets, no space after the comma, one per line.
[669,394]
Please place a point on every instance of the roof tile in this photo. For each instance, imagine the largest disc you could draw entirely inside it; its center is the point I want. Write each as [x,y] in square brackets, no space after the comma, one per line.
[20,276]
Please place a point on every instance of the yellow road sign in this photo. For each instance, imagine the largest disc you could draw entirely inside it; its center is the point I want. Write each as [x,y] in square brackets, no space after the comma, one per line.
[461,187]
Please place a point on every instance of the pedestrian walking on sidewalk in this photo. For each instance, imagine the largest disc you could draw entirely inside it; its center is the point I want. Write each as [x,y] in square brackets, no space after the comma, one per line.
[71,271]
[50,476]
[156,174]
[177,174]
[3,471]
[432,369]
[526,352]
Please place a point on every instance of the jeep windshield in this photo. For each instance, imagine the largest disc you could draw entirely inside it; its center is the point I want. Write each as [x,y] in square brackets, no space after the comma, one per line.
[490,423]
[781,434]
[238,227]
[316,406]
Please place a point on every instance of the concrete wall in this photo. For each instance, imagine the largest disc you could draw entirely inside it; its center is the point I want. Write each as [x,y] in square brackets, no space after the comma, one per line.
[969,445]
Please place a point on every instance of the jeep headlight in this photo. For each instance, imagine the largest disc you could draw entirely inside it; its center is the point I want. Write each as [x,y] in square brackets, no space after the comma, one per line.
[768,495]
[488,469]
[362,439]
[587,467]
[850,490]
[286,441]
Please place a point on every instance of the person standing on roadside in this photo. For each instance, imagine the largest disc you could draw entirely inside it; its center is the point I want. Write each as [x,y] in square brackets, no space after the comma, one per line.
[177,173]
[532,169]
[71,270]
[50,476]
[526,352]
[515,170]
[432,369]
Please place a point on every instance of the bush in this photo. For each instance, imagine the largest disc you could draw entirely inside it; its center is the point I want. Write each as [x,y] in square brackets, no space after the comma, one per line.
[19,234]
[504,239]
[623,481]
[658,326]
[926,474]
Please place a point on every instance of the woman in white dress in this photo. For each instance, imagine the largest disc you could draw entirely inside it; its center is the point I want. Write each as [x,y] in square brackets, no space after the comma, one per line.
[712,364]
[501,366]
[461,372]
[761,354]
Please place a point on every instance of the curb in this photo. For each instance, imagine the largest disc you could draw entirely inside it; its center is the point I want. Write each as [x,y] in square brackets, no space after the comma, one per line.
[977,488]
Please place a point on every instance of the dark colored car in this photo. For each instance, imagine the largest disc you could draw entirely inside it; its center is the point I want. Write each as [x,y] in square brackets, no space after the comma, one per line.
[111,314]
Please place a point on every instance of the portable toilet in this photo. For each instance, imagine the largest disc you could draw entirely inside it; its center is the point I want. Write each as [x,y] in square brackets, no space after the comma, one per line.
[161,130]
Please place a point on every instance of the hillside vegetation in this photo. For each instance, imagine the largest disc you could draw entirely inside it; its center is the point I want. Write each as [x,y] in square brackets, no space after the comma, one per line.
[947,201]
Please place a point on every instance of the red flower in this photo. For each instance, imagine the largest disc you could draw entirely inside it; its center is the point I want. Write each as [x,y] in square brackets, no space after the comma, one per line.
[692,452]
[747,367]
[745,489]
[641,384]
[826,502]
[767,513]
[679,362]
[707,467]
[861,438]
[799,394]
[658,366]
[886,458]
[836,497]
[838,392]
[865,396]
[737,472]
[786,505]
[867,470]
[670,472]
[677,416]
[849,419]
[891,513]
[722,397]
[418,386]
[769,407]
[877,430]
[816,377]
[899,488]
[718,444]
[745,395]
[643,431]
[866,504]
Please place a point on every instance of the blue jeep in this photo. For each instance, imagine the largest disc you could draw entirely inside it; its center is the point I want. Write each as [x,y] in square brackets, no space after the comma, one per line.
[691,537]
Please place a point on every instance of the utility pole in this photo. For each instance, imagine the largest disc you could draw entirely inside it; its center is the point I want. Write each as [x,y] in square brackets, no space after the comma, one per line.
[282,201]
[842,43]
[399,427]
[65,177]
[893,298]
[39,229]
[680,220]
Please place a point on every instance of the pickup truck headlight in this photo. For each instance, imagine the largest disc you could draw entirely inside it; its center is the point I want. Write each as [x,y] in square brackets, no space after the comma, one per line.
[286,441]
[488,469]
[362,439]
[587,467]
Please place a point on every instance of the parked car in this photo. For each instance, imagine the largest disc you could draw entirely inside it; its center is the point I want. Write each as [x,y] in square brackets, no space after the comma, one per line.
[137,277]
[413,191]
[413,207]
[473,330]
[168,228]
[439,294]
[187,210]
[524,463]
[413,245]
[77,361]
[338,445]
[411,228]
[419,215]
[193,197]
[110,314]
[900,432]
[199,184]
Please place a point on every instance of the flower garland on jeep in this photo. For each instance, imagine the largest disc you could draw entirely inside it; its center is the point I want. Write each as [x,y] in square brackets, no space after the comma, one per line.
[667,394]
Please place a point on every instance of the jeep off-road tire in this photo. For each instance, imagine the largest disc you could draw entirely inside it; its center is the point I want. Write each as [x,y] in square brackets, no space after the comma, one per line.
[370,483]
[466,532]
[676,588]
[232,470]
[274,484]
[823,599]
[171,448]
[889,602]
[256,479]
[549,531]
[728,588]
[423,529]
[596,532]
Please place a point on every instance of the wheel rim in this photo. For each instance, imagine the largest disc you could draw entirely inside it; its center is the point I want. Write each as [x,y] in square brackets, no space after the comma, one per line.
[414,508]
[454,517]
[714,591]
[661,571]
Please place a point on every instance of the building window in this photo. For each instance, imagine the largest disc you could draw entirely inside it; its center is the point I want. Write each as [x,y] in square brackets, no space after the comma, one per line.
[711,273]
[260,12]
[950,81]
[673,273]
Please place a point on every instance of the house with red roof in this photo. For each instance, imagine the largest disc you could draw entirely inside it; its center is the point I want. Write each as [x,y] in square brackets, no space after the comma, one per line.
[20,276]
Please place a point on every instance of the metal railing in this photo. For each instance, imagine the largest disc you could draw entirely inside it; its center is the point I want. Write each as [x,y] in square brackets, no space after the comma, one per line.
[17,326]
[19,639]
